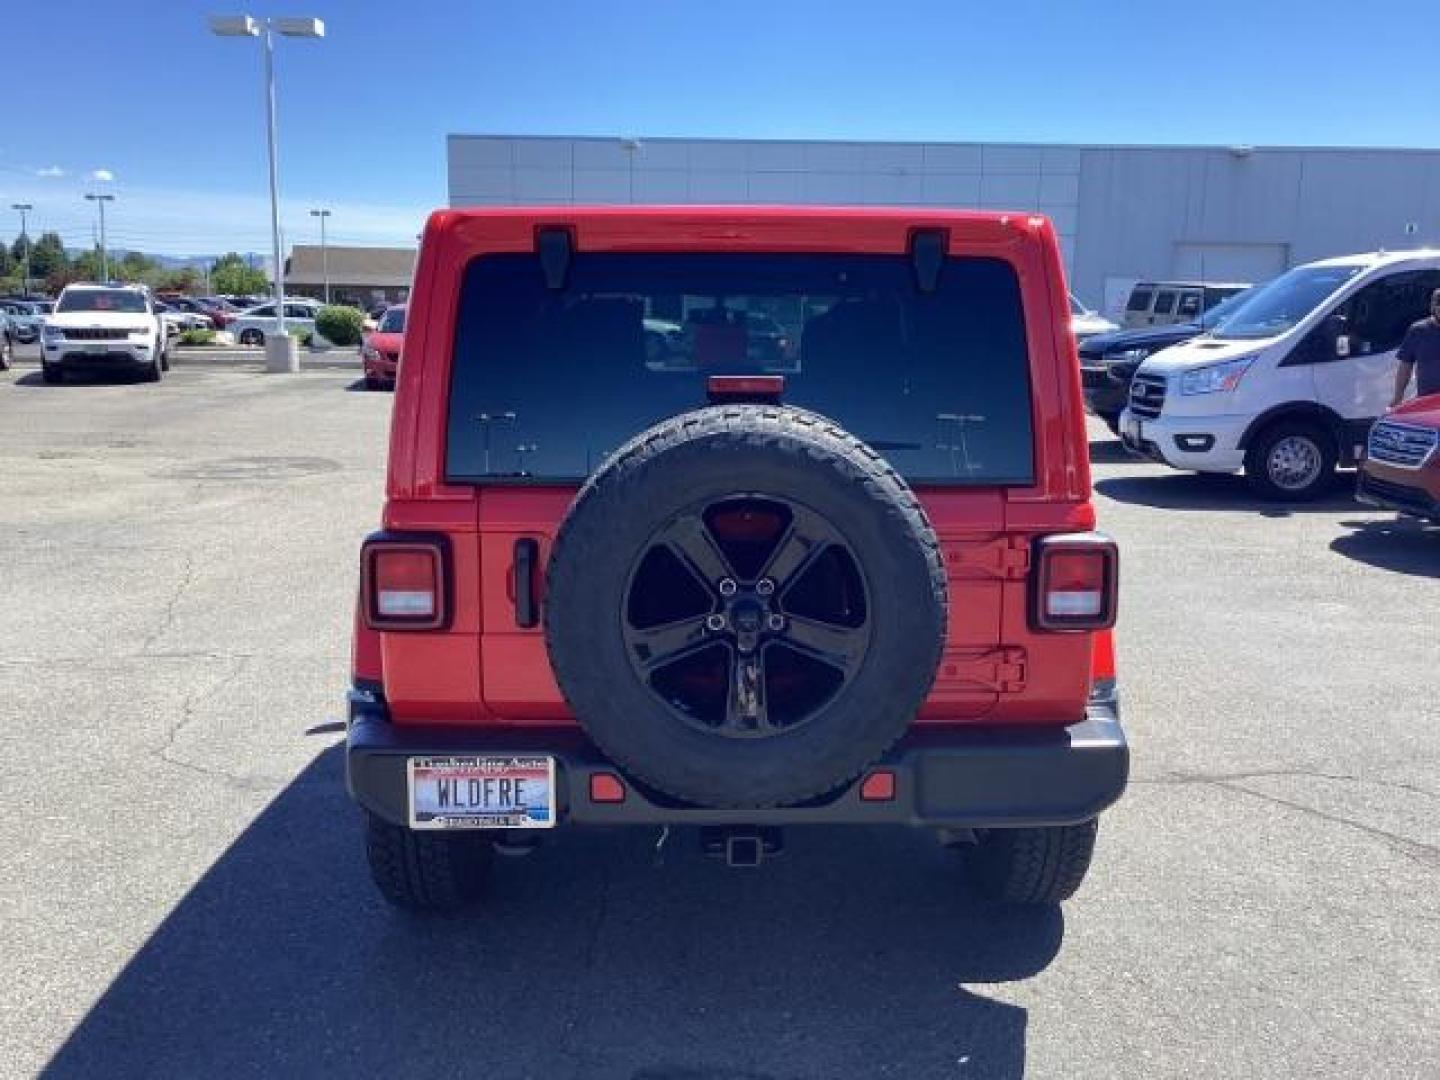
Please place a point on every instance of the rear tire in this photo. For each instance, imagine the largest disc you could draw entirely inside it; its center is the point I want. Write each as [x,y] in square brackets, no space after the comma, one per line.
[251,337]
[426,872]
[1042,865]
[1291,460]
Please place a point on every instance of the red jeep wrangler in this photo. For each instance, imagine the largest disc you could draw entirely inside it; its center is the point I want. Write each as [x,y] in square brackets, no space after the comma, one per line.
[736,519]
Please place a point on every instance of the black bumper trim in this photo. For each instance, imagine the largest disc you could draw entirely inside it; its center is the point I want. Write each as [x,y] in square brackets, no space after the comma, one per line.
[1402,498]
[975,777]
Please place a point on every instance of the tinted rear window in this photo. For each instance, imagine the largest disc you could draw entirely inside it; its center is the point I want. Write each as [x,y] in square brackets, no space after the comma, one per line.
[547,383]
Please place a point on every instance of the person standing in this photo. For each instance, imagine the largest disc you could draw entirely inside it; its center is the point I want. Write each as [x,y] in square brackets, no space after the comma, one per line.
[1420,355]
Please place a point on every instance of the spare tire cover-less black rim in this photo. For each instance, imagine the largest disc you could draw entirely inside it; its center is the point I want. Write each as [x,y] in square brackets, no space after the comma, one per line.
[738,471]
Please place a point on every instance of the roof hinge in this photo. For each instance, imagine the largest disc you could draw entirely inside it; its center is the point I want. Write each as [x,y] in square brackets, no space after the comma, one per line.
[555,245]
[927,256]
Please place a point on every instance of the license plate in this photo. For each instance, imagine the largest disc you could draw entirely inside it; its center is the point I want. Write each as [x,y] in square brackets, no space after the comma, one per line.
[509,791]
[1132,429]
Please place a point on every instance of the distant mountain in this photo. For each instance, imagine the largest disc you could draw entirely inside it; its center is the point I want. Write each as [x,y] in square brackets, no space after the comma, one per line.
[180,262]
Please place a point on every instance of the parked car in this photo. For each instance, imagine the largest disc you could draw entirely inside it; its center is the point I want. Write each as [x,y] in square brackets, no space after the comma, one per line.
[7,340]
[606,594]
[1085,323]
[380,351]
[1401,469]
[1159,303]
[203,316]
[221,313]
[25,318]
[252,327]
[179,319]
[1109,361]
[1288,385]
[106,329]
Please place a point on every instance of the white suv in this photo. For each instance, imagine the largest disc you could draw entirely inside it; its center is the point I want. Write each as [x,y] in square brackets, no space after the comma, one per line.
[1288,384]
[104,328]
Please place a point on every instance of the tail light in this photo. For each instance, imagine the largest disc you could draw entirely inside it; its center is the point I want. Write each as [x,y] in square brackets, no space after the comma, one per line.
[1076,582]
[403,582]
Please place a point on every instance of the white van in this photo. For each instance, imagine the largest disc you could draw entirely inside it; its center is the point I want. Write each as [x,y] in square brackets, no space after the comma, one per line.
[1163,303]
[1286,387]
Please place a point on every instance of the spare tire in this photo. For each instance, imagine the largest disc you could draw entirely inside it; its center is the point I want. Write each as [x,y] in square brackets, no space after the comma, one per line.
[745,606]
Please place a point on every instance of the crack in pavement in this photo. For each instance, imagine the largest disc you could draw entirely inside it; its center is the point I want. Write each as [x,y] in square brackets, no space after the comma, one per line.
[1262,774]
[167,620]
[1427,855]
[187,716]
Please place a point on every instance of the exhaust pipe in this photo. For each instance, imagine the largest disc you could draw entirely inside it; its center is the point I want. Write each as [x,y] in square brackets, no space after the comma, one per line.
[742,846]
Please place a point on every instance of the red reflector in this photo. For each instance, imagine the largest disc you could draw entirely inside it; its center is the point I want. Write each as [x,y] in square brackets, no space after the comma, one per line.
[745,387]
[879,786]
[606,788]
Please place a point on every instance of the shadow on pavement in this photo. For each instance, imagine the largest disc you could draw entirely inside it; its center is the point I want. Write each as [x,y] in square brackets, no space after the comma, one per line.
[1401,545]
[591,958]
[1217,491]
[78,378]
[1112,452]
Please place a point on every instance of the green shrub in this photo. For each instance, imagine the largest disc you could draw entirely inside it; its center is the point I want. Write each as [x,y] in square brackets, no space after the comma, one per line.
[197,337]
[302,337]
[340,325]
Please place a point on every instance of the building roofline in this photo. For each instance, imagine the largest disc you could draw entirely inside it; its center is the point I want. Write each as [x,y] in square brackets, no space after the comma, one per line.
[1238,149]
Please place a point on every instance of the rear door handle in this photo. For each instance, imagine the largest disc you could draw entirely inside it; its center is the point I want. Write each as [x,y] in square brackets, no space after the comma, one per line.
[527,611]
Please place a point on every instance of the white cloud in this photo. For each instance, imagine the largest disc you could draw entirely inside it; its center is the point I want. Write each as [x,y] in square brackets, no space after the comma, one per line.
[102,174]
[50,171]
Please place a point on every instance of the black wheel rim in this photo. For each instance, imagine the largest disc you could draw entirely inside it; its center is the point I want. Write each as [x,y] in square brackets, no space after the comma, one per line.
[746,616]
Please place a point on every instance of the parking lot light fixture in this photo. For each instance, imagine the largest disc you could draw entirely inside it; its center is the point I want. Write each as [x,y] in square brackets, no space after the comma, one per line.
[24,208]
[324,251]
[100,201]
[282,355]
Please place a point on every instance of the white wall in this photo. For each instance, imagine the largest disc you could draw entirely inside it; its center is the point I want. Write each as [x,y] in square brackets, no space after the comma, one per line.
[1121,212]
[491,171]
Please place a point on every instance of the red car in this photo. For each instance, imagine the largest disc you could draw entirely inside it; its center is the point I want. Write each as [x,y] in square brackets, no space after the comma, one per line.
[855,583]
[380,353]
[1401,470]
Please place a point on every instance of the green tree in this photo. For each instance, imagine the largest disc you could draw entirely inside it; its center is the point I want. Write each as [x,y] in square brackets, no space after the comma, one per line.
[7,262]
[48,257]
[185,279]
[232,275]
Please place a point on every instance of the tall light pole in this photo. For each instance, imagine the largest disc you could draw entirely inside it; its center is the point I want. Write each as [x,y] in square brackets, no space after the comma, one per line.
[100,201]
[324,250]
[24,208]
[281,353]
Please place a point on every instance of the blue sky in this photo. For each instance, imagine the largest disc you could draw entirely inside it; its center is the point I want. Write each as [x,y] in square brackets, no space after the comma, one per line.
[141,92]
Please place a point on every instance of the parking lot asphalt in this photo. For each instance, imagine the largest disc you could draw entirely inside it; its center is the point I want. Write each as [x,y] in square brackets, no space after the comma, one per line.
[182,886]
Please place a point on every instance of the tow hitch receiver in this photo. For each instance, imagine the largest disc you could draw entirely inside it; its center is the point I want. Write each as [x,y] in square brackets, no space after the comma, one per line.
[742,845]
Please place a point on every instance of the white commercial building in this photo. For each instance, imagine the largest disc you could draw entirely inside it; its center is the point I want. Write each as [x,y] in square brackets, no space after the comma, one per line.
[1217,213]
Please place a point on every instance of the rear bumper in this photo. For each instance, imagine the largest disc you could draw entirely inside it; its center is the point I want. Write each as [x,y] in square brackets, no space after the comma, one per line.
[379,369]
[977,777]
